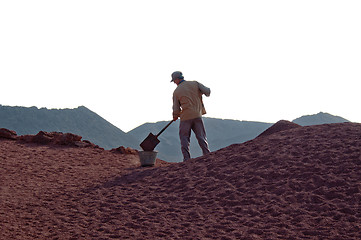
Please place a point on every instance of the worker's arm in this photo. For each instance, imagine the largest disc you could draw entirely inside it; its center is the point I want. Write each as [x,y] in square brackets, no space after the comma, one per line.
[206,91]
[176,108]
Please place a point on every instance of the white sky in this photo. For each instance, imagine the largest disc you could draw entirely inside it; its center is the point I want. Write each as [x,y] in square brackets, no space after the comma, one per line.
[263,60]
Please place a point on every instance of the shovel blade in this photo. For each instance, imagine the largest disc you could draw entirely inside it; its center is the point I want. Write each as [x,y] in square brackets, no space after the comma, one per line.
[150,142]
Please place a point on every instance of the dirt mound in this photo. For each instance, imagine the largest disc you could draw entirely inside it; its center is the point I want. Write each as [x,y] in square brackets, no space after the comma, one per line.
[7,134]
[301,183]
[279,126]
[48,138]
[56,138]
[123,150]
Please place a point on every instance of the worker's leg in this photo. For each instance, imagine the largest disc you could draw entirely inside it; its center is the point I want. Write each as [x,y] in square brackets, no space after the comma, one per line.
[200,132]
[184,136]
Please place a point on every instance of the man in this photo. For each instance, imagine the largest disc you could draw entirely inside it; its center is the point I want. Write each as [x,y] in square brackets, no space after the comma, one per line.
[188,105]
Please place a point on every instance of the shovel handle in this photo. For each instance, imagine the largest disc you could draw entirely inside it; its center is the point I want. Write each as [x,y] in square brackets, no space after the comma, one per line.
[164,128]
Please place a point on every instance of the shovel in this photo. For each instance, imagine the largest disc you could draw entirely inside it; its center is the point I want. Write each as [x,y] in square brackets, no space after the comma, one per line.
[152,140]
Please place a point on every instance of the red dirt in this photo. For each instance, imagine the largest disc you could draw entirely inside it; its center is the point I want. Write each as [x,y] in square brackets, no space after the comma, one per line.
[301,183]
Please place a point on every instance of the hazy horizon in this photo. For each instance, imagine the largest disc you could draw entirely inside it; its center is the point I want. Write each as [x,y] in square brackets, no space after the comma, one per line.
[165,120]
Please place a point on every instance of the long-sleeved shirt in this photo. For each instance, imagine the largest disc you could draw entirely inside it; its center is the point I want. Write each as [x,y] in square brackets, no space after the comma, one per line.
[187,100]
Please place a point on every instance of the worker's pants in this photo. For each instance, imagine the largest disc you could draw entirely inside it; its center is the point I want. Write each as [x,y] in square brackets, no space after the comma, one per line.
[185,128]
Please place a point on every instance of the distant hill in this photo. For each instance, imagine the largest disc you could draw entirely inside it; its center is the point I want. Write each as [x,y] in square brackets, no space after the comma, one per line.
[80,121]
[319,118]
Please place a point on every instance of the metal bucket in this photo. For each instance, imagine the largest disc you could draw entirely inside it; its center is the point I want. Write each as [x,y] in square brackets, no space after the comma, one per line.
[147,158]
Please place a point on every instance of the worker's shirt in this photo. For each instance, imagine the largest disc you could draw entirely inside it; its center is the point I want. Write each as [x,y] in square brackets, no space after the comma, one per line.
[187,100]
